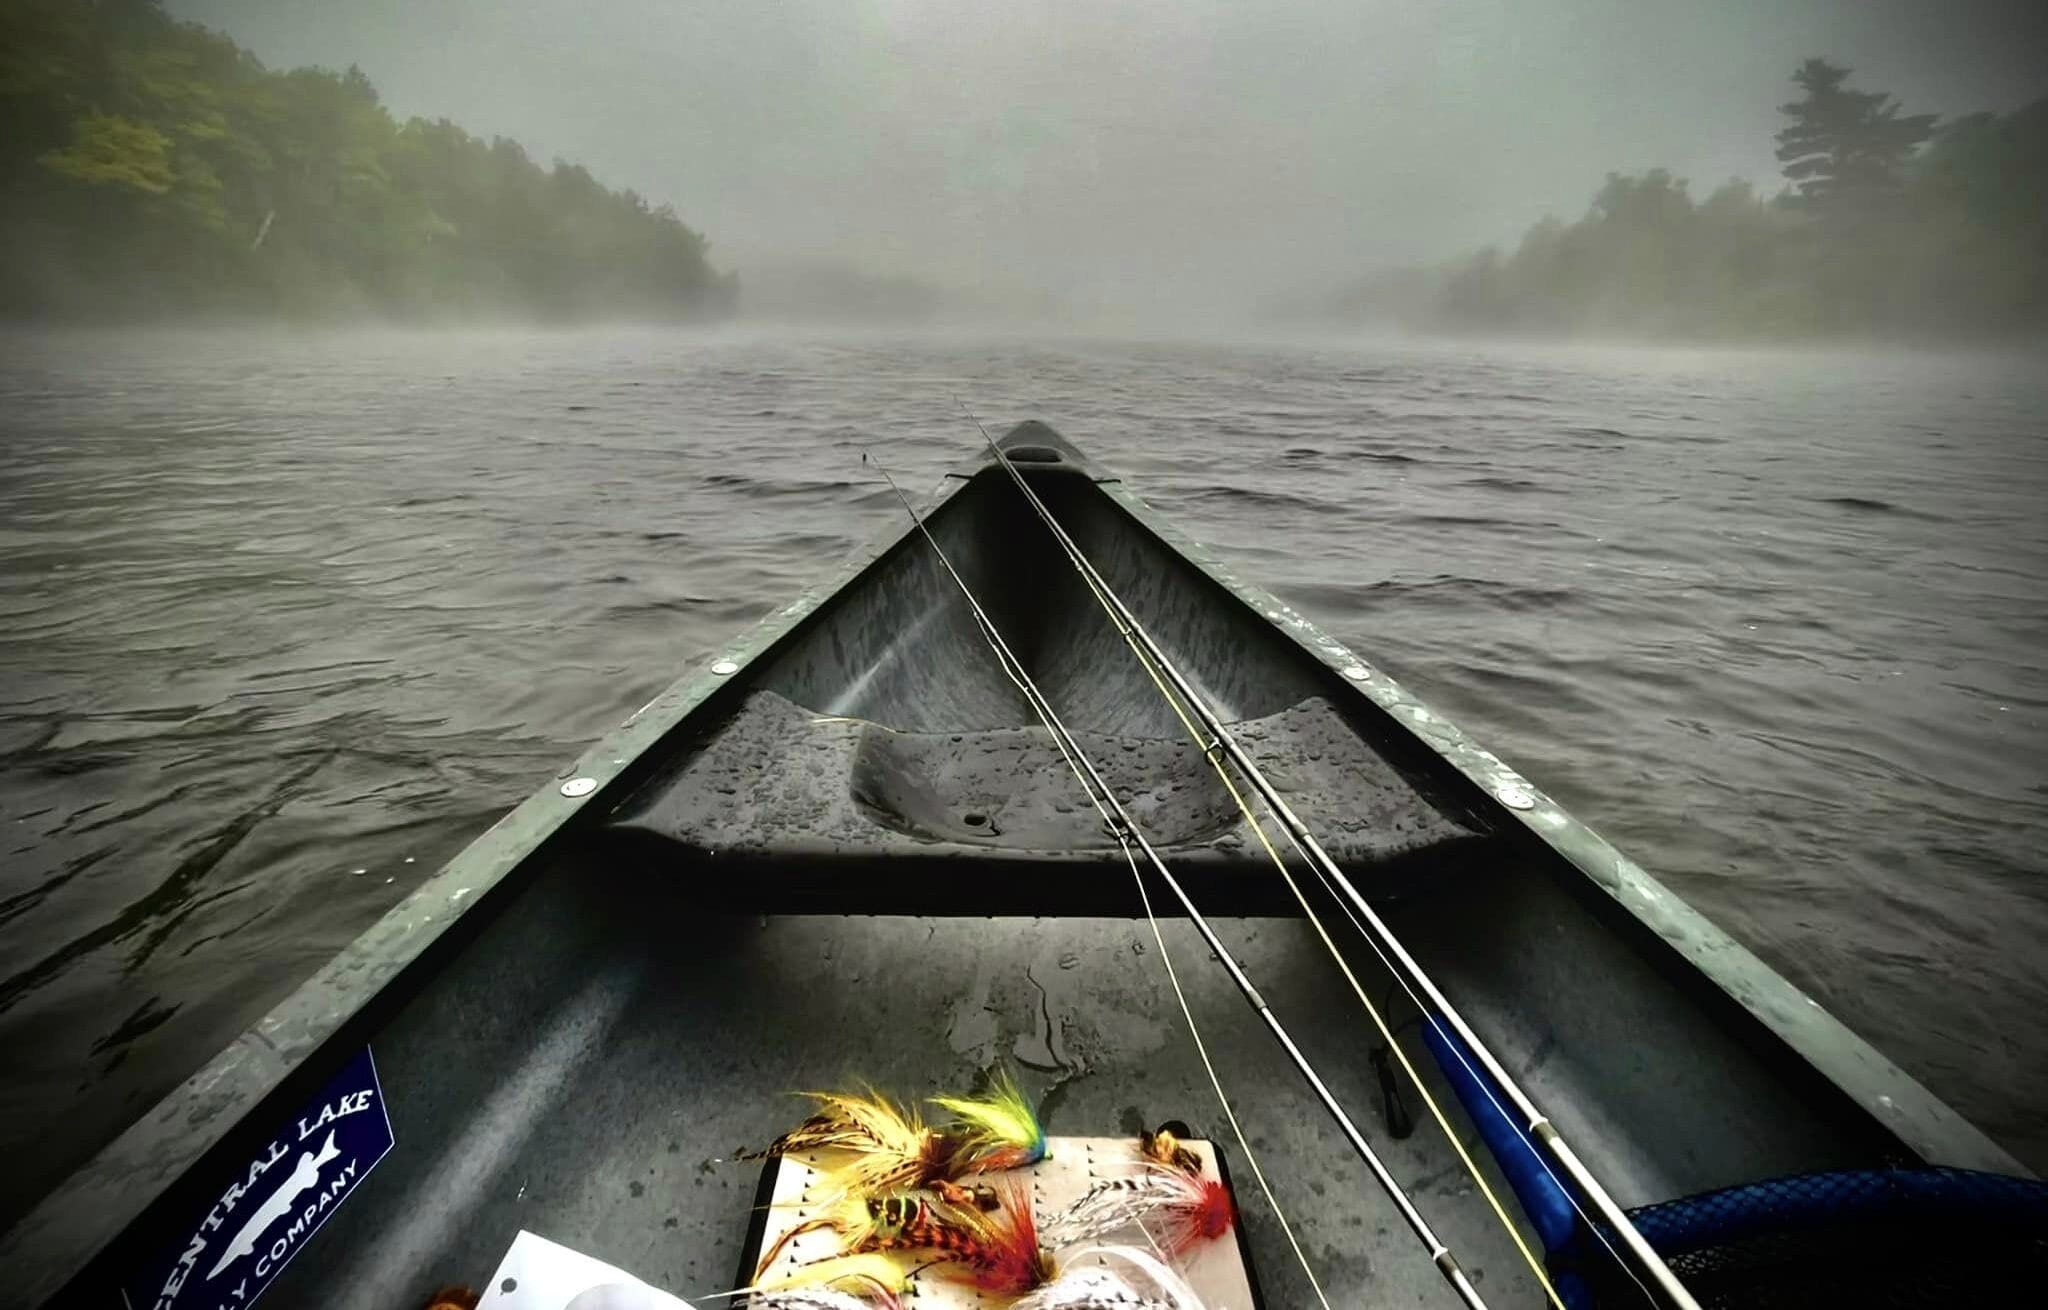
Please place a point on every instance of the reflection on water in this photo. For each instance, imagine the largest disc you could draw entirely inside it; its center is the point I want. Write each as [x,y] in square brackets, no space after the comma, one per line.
[290,618]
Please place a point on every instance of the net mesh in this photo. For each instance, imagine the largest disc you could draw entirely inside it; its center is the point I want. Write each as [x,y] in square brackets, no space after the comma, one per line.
[1883,1238]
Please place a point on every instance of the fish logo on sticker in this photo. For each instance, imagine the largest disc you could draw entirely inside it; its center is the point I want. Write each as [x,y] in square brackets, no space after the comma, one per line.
[233,1252]
[274,1209]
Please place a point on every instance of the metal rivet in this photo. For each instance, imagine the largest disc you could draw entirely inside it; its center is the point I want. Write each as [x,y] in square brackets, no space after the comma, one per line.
[724,667]
[1358,673]
[1516,797]
[579,787]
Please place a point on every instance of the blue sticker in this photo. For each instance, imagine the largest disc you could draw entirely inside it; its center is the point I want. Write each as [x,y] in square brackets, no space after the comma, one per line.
[271,1207]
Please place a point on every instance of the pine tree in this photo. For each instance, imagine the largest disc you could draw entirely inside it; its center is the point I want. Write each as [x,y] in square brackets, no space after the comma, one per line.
[1844,147]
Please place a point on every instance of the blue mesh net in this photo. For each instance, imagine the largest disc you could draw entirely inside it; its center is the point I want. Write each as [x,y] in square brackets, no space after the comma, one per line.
[1867,1237]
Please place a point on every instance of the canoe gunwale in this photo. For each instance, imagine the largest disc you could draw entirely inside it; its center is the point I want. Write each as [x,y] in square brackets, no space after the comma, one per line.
[55,1244]
[1895,1099]
[94,1212]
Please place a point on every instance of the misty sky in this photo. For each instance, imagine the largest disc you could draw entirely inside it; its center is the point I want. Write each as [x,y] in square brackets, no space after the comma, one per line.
[1182,154]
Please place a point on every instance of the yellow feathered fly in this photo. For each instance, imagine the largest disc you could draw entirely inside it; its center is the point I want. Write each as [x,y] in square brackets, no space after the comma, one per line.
[886,1147]
[995,1131]
[885,1144]
[871,1280]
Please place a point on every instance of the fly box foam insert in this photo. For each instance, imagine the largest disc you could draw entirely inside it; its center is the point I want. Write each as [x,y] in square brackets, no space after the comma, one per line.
[1215,1268]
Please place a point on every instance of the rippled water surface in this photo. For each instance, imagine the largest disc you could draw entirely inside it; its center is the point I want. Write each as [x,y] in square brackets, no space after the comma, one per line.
[285,620]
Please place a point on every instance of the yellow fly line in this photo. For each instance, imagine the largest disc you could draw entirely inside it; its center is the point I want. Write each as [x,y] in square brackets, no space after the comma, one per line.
[1104,799]
[1154,662]
[1015,673]
[1379,1020]
[1173,977]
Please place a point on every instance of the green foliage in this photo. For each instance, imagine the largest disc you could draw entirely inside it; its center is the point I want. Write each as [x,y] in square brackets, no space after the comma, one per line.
[151,166]
[1893,226]
[109,150]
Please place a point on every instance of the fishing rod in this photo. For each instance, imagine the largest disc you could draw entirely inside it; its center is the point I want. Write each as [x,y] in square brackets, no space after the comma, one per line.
[1401,964]
[1127,835]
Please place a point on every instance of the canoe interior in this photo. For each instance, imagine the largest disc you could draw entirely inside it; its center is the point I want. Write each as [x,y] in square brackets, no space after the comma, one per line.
[587,1069]
[793,892]
[882,758]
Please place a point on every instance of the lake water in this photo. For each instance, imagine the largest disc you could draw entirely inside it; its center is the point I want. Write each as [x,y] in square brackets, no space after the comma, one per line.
[288,618]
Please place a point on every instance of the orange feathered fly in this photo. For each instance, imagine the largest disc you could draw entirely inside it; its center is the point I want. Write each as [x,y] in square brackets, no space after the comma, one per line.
[995,1250]
[858,1221]
[1163,1146]
[998,1250]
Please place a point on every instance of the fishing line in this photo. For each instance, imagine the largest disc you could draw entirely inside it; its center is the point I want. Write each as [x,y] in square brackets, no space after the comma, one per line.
[1379,1021]
[1127,833]
[1485,1085]
[1023,683]
[1180,997]
[1222,743]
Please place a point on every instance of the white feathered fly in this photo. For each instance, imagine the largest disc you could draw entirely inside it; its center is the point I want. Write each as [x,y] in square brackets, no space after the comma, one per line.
[1149,1284]
[1174,1208]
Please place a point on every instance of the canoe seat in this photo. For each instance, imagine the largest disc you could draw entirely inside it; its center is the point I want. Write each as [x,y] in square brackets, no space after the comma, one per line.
[779,783]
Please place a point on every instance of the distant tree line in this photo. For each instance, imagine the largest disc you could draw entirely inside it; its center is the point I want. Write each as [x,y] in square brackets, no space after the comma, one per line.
[1891,223]
[149,166]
